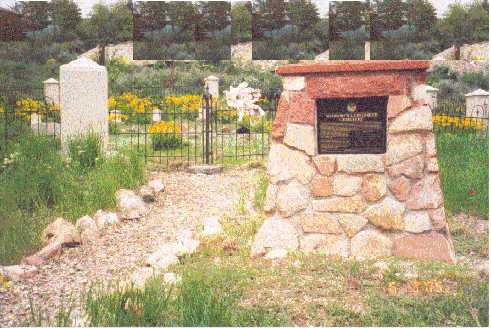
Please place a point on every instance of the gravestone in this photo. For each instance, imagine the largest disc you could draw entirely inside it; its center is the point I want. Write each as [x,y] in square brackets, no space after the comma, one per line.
[83,100]
[353,167]
[476,104]
[52,91]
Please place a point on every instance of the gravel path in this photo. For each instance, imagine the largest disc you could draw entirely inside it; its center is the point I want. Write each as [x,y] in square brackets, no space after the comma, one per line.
[186,201]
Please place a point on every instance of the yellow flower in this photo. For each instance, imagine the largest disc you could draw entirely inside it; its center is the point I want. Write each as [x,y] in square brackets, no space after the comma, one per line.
[117,117]
[164,128]
[459,121]
[111,103]
[4,282]
[29,105]
[186,103]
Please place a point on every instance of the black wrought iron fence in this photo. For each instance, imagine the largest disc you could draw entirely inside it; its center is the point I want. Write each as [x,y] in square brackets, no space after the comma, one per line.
[25,111]
[453,115]
[189,128]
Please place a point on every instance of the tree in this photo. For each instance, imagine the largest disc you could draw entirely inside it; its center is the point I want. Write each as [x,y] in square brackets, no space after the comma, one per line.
[346,16]
[465,24]
[241,21]
[478,12]
[303,14]
[110,24]
[34,14]
[421,16]
[390,14]
[66,16]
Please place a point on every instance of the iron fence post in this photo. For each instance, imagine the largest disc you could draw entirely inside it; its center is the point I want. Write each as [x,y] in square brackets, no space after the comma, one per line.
[207,98]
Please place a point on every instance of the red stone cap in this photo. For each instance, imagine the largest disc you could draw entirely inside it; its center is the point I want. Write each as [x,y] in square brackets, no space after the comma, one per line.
[354,66]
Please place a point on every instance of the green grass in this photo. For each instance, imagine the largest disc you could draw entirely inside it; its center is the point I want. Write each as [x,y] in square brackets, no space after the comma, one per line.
[207,296]
[38,183]
[468,306]
[463,161]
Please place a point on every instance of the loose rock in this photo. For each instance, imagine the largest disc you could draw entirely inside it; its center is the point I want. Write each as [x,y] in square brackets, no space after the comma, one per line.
[277,253]
[88,230]
[211,226]
[61,231]
[130,205]
[156,185]
[147,194]
[18,272]
[104,219]
[171,278]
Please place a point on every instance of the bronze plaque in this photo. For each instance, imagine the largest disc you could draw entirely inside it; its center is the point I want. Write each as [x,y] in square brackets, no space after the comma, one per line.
[352,126]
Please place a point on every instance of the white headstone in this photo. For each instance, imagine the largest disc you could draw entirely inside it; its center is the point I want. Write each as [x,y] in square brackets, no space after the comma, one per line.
[212,83]
[156,115]
[367,50]
[83,99]
[476,104]
[52,91]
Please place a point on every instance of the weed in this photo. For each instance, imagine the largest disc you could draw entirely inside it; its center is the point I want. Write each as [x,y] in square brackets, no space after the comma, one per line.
[261,190]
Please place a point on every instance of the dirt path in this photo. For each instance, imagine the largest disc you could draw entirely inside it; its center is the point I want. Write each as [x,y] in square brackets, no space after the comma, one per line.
[186,201]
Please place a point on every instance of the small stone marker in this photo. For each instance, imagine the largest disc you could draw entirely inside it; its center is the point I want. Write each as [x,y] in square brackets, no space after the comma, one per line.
[205,169]
[353,168]
[83,100]
[52,91]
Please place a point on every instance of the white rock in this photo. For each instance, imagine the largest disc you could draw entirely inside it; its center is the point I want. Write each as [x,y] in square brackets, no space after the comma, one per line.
[156,185]
[362,163]
[370,244]
[62,232]
[294,83]
[417,222]
[292,198]
[270,201]
[285,163]
[104,219]
[171,278]
[301,136]
[147,194]
[88,229]
[18,272]
[275,233]
[417,119]
[346,185]
[402,147]
[161,260]
[211,226]
[130,205]
[140,276]
[277,253]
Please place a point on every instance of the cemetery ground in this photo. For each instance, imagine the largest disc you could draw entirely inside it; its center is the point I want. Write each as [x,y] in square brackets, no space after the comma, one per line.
[220,284]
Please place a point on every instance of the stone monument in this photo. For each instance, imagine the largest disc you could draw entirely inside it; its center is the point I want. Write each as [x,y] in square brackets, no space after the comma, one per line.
[83,100]
[353,167]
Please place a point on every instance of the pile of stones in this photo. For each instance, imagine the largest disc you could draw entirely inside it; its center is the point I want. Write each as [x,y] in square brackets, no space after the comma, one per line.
[61,234]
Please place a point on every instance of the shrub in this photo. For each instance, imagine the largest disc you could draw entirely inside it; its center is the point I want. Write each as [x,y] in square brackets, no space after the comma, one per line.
[85,151]
[165,135]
